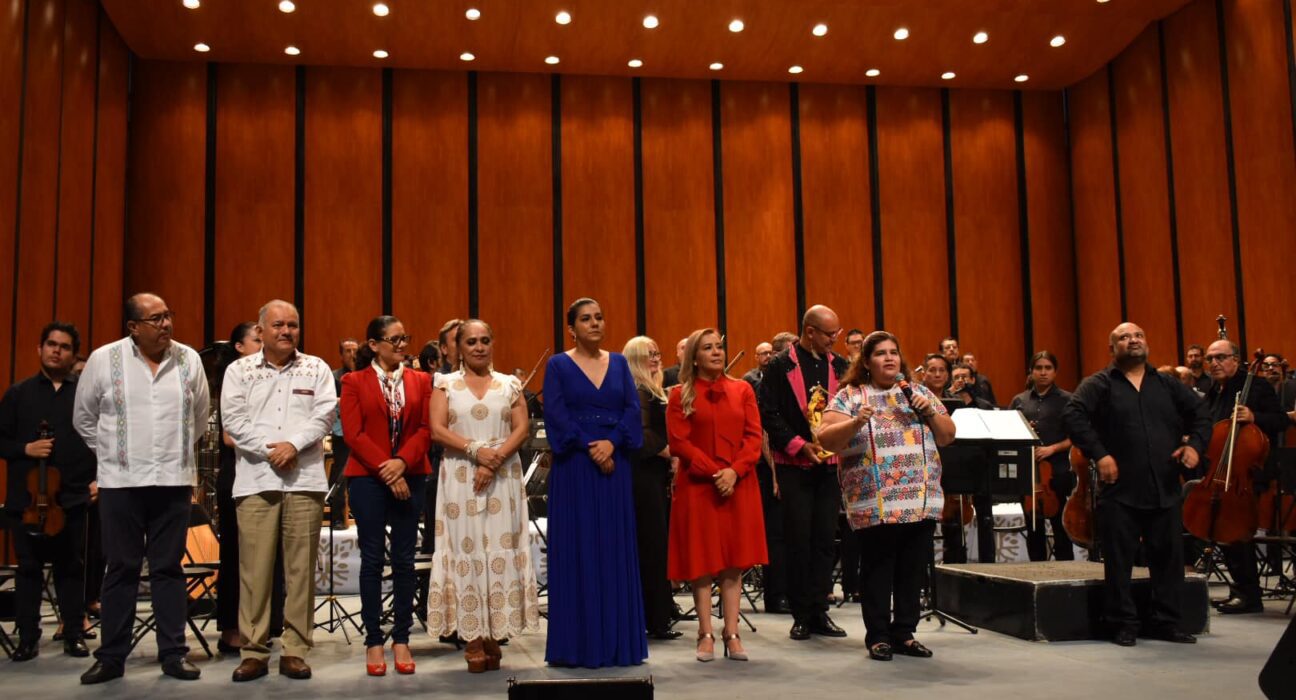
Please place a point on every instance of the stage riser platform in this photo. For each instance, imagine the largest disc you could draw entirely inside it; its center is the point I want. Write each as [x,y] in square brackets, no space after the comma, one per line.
[1050,601]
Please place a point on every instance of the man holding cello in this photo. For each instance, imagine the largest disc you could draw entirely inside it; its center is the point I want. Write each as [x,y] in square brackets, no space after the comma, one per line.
[1261,407]
[1131,421]
[36,431]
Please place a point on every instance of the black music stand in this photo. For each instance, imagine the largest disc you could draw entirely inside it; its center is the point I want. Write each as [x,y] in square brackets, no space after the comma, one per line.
[338,615]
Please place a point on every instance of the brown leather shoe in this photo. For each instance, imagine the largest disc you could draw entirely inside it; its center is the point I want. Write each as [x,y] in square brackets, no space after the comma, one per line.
[250,669]
[294,667]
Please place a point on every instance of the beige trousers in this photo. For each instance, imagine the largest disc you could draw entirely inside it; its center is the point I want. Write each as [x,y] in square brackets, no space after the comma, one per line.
[264,520]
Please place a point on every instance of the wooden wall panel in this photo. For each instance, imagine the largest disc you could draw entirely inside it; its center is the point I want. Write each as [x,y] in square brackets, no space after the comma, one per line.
[76,171]
[38,222]
[255,179]
[1097,260]
[987,235]
[1200,171]
[915,256]
[679,210]
[164,242]
[515,234]
[110,190]
[429,201]
[343,277]
[837,213]
[760,243]
[598,209]
[1145,199]
[1048,199]
[1265,160]
[12,21]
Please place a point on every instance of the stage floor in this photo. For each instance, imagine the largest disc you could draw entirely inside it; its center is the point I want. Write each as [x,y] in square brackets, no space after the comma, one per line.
[1224,663]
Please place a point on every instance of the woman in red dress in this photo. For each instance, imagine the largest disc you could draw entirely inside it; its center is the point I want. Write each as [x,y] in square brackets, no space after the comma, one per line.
[716,526]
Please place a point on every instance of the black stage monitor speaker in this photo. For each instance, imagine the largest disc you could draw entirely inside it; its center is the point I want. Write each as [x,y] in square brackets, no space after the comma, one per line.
[582,689]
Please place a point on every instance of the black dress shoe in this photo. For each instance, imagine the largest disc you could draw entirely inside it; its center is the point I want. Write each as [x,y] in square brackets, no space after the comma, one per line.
[800,631]
[1240,606]
[825,627]
[179,667]
[226,648]
[27,650]
[913,648]
[76,647]
[1125,637]
[778,605]
[880,652]
[665,635]
[101,672]
[1171,634]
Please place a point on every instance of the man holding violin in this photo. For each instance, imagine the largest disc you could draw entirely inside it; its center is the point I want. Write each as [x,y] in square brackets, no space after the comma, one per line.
[35,428]
[1223,360]
[1131,421]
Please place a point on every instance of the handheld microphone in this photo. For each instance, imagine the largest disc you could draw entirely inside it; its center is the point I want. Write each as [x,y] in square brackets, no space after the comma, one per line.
[908,394]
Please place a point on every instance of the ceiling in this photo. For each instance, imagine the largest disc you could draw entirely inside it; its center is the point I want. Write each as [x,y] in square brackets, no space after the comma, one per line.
[518,35]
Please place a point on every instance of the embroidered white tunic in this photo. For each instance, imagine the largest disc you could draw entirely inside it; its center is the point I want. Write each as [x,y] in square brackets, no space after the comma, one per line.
[261,404]
[142,426]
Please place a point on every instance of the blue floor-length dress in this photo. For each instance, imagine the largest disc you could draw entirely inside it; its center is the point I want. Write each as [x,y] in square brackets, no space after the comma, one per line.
[595,605]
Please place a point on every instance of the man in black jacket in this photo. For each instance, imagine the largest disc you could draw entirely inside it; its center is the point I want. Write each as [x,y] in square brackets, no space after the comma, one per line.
[807,484]
[1132,421]
[1223,362]
[47,398]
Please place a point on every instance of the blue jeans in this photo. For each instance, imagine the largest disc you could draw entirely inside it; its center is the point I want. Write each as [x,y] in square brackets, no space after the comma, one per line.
[375,509]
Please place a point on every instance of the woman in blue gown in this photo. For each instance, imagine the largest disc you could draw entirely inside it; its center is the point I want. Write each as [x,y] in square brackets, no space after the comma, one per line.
[591,412]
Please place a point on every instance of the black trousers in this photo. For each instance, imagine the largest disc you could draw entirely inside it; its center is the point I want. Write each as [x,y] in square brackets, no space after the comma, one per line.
[337,503]
[94,556]
[1245,571]
[145,521]
[852,558]
[894,559]
[1063,483]
[1121,528]
[650,481]
[66,552]
[775,575]
[227,580]
[956,551]
[811,503]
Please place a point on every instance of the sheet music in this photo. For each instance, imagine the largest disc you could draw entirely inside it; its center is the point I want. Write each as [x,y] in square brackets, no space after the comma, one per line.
[978,424]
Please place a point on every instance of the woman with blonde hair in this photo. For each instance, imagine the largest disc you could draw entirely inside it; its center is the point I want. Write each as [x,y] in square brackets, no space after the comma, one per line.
[651,467]
[716,528]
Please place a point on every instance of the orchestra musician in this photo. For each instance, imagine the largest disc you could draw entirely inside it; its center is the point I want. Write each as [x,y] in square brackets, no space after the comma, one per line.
[1131,421]
[1043,404]
[1274,369]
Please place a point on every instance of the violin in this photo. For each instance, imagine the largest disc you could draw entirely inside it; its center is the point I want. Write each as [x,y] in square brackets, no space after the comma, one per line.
[1044,496]
[1221,507]
[1078,516]
[43,516]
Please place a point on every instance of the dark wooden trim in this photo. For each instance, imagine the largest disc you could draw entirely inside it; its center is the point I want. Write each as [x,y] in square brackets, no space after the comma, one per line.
[798,204]
[641,276]
[1291,62]
[94,176]
[17,230]
[875,205]
[1172,206]
[1116,192]
[299,199]
[1232,175]
[387,78]
[472,195]
[209,212]
[950,238]
[58,166]
[555,158]
[1075,244]
[1023,227]
[717,162]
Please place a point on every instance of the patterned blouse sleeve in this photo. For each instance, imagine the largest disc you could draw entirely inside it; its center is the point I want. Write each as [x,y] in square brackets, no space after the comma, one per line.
[513,386]
[931,398]
[845,401]
[441,381]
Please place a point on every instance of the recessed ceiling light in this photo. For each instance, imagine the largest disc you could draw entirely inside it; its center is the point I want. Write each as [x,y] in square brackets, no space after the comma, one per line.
[381,9]
[201,47]
[287,6]
[872,72]
[379,53]
[635,63]
[292,51]
[736,26]
[1057,41]
[650,22]
[901,34]
[980,38]
[1023,77]
[947,75]
[472,13]
[795,70]
[563,17]
[552,60]
[191,4]
[717,66]
[819,29]
[465,56]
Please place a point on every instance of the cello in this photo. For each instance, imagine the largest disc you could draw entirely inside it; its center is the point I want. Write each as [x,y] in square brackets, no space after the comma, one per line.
[1078,515]
[43,516]
[1221,507]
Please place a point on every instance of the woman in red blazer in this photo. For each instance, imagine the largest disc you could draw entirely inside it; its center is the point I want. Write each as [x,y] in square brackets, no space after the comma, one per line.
[385,422]
[716,526]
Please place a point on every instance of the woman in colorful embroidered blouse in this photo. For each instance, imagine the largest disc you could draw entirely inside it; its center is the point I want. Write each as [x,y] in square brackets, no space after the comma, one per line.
[888,432]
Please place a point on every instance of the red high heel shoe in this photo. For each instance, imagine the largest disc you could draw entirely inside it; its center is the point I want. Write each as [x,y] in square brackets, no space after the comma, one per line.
[378,669]
[404,668]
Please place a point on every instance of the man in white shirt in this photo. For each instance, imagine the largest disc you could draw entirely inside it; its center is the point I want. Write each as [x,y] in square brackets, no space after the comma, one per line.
[277,405]
[141,405]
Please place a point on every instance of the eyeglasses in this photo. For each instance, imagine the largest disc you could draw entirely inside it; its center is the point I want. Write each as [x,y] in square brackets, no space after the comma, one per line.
[1220,358]
[654,355]
[397,340]
[829,334]
[156,320]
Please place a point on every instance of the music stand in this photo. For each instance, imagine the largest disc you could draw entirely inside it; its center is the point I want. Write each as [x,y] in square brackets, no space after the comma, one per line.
[536,485]
[338,615]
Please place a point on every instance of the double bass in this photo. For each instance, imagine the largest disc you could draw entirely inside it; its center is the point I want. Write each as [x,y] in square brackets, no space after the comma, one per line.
[1221,507]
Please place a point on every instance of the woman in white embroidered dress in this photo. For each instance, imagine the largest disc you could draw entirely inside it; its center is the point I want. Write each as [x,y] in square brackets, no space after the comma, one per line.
[483,585]
[890,479]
